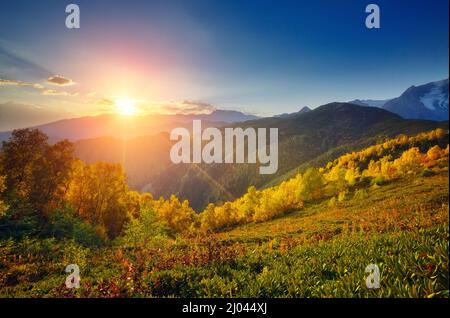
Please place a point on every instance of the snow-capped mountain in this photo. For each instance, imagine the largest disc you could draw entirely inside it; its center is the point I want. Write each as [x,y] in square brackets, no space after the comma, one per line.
[428,101]
[370,102]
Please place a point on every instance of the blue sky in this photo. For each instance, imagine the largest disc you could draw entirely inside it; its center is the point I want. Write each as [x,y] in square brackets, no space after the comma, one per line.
[259,56]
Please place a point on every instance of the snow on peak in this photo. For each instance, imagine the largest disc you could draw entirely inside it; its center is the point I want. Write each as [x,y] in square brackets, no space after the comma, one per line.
[436,98]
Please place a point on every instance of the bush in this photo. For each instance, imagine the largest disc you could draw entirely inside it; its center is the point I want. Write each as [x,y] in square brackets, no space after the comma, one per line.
[332,202]
[360,194]
[28,224]
[427,173]
[64,224]
[378,181]
[146,231]
[342,196]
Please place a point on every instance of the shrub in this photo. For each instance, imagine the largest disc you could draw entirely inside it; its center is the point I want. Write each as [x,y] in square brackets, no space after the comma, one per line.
[146,231]
[427,173]
[64,224]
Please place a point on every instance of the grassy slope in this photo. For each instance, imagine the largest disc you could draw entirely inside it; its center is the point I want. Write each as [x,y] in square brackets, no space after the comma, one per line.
[400,200]
[320,251]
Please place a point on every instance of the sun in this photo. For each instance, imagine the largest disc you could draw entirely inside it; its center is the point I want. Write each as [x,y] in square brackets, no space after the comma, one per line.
[126,107]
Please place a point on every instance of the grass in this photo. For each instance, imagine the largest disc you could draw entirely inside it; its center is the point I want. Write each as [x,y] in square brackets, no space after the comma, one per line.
[320,251]
[384,208]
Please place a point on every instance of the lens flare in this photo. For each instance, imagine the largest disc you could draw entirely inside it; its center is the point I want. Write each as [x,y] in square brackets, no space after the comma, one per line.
[126,107]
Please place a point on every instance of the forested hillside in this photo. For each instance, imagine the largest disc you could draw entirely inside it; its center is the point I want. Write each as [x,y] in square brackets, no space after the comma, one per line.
[305,139]
[311,235]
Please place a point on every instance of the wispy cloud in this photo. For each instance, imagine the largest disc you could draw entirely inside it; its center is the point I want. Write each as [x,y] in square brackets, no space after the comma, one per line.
[52,92]
[185,107]
[105,102]
[6,82]
[37,86]
[60,80]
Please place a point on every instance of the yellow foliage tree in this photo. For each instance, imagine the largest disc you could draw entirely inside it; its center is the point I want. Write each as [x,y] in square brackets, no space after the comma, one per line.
[99,194]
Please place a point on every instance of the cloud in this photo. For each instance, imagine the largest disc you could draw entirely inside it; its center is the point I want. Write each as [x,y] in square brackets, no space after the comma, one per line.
[52,92]
[38,87]
[6,82]
[182,107]
[186,107]
[105,102]
[91,94]
[60,80]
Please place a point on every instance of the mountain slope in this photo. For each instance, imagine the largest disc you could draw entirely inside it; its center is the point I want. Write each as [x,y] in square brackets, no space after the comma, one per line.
[302,139]
[307,138]
[429,101]
[370,102]
[143,158]
[125,127]
[304,109]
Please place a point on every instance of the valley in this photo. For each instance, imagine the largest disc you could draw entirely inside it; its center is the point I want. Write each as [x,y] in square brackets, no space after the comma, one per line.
[307,139]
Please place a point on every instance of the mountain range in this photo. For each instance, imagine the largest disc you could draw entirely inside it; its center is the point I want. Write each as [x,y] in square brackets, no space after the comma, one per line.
[306,139]
[309,137]
[126,127]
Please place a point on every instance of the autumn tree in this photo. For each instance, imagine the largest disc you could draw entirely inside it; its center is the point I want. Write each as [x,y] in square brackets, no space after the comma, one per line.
[311,186]
[208,218]
[99,194]
[249,203]
[3,206]
[179,216]
[35,171]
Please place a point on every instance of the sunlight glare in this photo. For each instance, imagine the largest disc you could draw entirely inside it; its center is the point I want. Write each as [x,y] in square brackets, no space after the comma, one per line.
[126,107]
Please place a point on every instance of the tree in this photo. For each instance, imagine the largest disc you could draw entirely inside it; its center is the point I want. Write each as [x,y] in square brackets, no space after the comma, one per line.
[248,204]
[208,218]
[99,194]
[19,156]
[36,172]
[311,186]
[145,231]
[3,206]
[434,153]
[179,216]
[410,161]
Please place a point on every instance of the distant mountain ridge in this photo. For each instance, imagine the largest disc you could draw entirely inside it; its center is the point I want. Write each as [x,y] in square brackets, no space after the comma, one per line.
[125,127]
[304,109]
[428,101]
[314,137]
[306,138]
[370,102]
[317,136]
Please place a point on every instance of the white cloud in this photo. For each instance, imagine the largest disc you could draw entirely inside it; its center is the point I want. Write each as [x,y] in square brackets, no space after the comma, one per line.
[6,82]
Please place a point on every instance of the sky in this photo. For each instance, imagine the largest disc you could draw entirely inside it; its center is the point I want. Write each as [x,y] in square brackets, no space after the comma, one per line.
[258,56]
